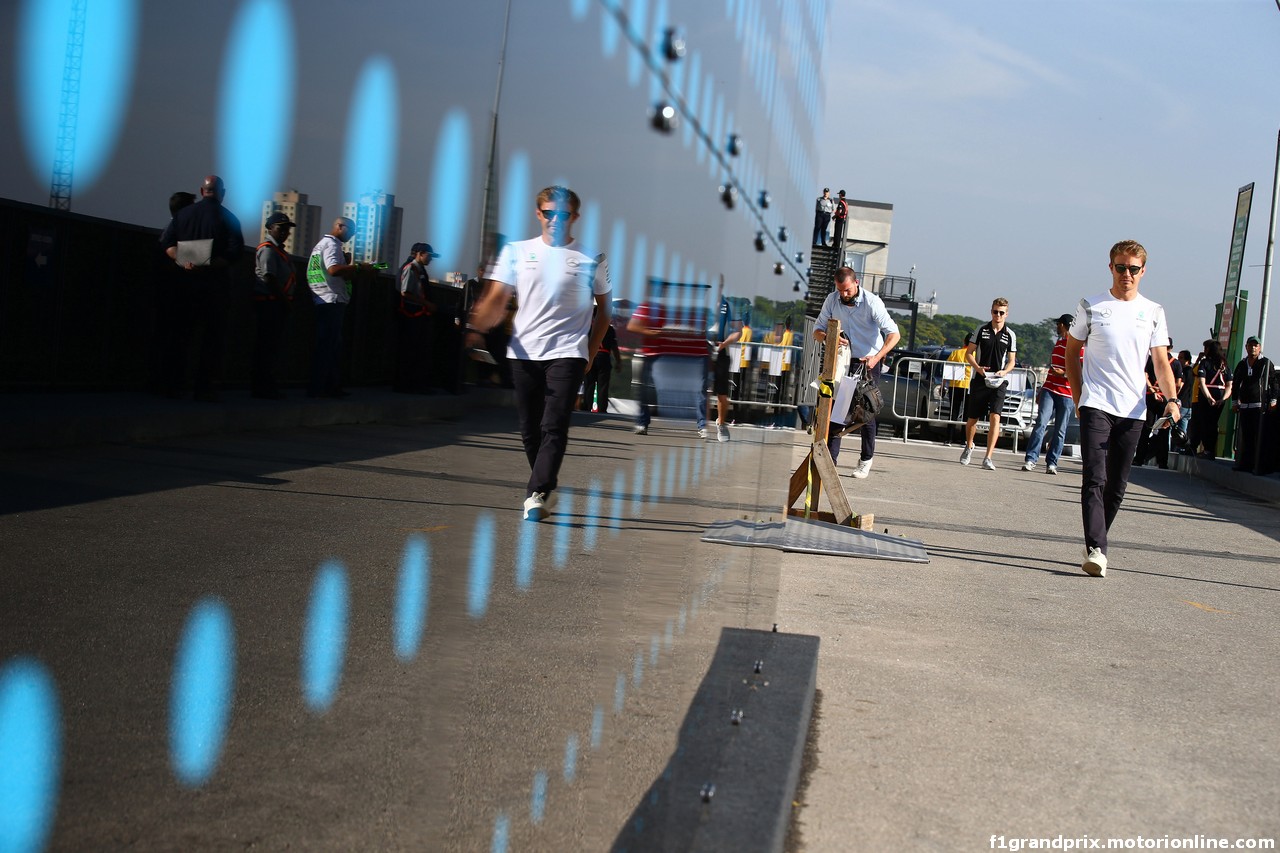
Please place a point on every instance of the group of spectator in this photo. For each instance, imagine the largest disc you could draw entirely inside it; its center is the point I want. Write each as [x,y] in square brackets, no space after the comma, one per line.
[204,243]
[1206,386]
[826,211]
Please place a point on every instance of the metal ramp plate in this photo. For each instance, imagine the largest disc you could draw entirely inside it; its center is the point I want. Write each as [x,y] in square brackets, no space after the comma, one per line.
[816,537]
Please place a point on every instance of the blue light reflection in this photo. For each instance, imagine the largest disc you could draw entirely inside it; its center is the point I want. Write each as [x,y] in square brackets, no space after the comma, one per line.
[203,692]
[106,78]
[30,755]
[324,638]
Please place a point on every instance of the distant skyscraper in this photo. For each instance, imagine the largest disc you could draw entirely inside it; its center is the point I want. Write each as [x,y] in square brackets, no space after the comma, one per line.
[377,236]
[310,226]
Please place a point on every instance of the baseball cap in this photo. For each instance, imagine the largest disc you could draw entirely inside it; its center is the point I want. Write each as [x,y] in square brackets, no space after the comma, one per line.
[423,247]
[1066,319]
[279,218]
[1252,340]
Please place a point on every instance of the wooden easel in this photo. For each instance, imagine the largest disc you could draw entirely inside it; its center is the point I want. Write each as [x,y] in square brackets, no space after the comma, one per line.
[818,467]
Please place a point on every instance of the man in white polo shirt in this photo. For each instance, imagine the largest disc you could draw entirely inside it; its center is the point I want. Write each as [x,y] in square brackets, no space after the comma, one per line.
[557,284]
[1121,328]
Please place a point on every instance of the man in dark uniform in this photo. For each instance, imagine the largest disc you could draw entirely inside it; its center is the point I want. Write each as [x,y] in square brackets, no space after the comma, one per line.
[273,290]
[841,217]
[1159,444]
[205,241]
[413,323]
[1251,398]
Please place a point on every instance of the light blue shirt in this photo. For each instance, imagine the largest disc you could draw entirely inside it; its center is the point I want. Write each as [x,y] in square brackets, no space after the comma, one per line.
[866,322]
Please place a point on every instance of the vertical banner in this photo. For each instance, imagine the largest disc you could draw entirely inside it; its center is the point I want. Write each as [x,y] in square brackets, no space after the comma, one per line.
[1244,202]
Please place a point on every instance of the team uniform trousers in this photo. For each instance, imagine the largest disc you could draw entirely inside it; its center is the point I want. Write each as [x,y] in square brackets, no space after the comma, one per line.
[1157,446]
[206,303]
[597,381]
[545,393]
[821,221]
[1249,422]
[413,337]
[1107,446]
[273,320]
[326,363]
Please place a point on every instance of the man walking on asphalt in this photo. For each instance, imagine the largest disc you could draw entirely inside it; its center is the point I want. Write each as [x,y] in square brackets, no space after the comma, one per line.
[992,353]
[1121,328]
[1055,398]
[557,285]
[871,333]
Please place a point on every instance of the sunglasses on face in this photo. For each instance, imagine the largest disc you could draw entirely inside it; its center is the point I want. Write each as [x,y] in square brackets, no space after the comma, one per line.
[1133,270]
[550,214]
[998,313]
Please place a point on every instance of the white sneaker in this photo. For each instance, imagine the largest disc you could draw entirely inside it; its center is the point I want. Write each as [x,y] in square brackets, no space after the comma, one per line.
[966,455]
[722,432]
[1052,469]
[863,471]
[702,432]
[640,430]
[1095,563]
[987,464]
[535,507]
[1030,465]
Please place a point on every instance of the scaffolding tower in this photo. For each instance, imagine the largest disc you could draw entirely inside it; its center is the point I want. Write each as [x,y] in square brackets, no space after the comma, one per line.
[69,110]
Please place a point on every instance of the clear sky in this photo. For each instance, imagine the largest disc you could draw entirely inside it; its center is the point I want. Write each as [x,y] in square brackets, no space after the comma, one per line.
[1019,139]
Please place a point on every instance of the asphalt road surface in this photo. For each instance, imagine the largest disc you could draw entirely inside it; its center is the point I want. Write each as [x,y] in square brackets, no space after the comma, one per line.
[347,638]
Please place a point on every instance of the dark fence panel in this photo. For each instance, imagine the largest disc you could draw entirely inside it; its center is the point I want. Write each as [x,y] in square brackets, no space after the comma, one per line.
[80,309]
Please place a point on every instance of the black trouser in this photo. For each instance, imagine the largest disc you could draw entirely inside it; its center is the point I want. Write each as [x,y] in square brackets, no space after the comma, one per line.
[198,306]
[412,337]
[598,378]
[838,239]
[868,431]
[273,319]
[1269,452]
[1249,422]
[1107,445]
[820,223]
[545,391]
[1204,427]
[326,361]
[1157,446]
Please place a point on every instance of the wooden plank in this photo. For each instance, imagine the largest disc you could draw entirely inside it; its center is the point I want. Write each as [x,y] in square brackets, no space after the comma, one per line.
[799,482]
[826,469]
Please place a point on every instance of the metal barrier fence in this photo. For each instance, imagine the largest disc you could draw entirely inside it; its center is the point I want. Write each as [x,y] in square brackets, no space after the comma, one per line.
[934,391]
[769,381]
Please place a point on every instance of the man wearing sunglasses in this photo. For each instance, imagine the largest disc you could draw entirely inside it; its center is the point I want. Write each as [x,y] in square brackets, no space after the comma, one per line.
[557,286]
[1121,328]
[992,352]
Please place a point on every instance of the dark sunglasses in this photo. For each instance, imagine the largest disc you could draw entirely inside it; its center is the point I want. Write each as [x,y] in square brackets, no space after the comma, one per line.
[549,213]
[998,313]
[1133,270]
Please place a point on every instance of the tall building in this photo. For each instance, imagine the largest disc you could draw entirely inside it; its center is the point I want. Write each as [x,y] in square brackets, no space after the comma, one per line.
[377,234]
[306,217]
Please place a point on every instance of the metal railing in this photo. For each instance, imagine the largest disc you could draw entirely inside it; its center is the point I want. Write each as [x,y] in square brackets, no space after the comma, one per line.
[934,391]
